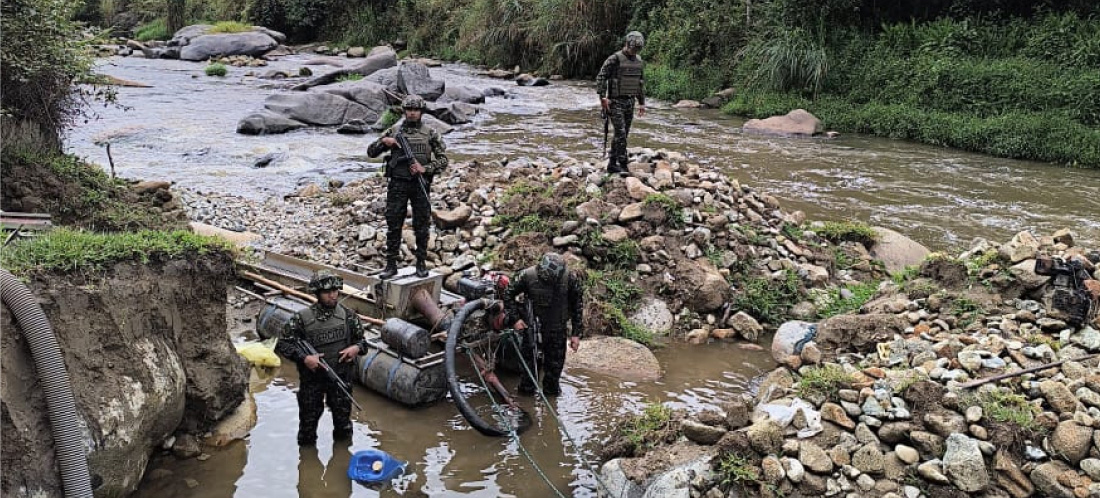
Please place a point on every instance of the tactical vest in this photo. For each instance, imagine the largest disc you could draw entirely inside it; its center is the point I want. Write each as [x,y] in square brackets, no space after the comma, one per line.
[328,337]
[548,299]
[419,139]
[628,79]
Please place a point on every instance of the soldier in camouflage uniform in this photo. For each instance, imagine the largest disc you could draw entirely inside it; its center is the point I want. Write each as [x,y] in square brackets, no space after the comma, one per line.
[556,297]
[336,333]
[620,82]
[409,181]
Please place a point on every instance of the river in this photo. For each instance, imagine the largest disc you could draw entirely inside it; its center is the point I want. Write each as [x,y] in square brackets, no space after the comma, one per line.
[182,129]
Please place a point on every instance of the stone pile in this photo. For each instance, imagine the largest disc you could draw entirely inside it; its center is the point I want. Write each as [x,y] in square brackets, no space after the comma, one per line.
[687,229]
[882,400]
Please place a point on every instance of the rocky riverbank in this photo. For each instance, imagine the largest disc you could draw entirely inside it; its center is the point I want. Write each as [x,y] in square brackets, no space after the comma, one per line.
[877,403]
[670,248]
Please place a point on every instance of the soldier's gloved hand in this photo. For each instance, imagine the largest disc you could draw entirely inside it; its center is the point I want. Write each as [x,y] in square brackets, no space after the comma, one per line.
[312,361]
[390,142]
[417,168]
[641,111]
[349,353]
[605,104]
[520,324]
[574,343]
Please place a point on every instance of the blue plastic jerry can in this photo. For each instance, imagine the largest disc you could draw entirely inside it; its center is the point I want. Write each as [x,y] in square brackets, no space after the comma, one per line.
[373,466]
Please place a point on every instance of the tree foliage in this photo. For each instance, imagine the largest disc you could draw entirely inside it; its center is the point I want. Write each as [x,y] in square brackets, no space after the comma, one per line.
[42,55]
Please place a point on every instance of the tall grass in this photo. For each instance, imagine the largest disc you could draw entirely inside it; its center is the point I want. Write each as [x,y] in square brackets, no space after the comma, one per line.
[788,60]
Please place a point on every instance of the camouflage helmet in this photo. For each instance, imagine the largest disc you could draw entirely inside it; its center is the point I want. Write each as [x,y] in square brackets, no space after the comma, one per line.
[325,280]
[635,40]
[414,101]
[551,267]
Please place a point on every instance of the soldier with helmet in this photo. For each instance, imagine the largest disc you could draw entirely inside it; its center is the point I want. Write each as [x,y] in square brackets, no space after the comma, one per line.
[556,297]
[620,83]
[336,333]
[409,181]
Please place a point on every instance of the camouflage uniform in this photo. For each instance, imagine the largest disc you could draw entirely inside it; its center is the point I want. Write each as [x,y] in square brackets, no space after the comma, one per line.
[329,330]
[404,187]
[622,81]
[554,301]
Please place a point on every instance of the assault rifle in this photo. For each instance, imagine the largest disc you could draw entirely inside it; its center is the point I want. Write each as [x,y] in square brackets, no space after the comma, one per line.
[606,120]
[408,158]
[331,374]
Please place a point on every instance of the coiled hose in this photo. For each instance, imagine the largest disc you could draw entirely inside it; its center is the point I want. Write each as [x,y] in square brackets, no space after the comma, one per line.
[72,461]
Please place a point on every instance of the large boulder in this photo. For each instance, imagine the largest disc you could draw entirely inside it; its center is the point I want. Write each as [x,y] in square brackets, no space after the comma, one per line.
[462,93]
[453,113]
[896,250]
[616,356]
[798,122]
[318,108]
[787,337]
[653,315]
[147,355]
[414,78]
[708,289]
[265,122]
[379,59]
[367,93]
[429,120]
[250,43]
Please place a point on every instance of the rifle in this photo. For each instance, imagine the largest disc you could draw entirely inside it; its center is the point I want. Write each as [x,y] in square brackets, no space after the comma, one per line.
[331,374]
[606,119]
[407,153]
[534,329]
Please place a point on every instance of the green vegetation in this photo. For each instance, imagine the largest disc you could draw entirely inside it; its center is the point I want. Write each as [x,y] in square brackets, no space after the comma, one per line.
[645,429]
[1040,338]
[825,381]
[1002,407]
[847,231]
[156,29]
[67,250]
[837,305]
[768,299]
[737,470]
[523,224]
[349,77]
[229,27]
[908,274]
[216,69]
[390,118]
[616,295]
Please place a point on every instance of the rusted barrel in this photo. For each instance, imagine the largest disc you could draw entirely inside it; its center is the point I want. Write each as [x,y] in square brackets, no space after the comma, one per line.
[386,374]
[407,338]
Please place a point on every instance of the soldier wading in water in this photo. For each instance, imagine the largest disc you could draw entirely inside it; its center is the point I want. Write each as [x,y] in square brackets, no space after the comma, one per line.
[620,82]
[409,180]
[556,298]
[336,333]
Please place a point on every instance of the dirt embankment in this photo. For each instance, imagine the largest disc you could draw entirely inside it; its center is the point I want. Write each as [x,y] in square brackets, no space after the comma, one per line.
[147,355]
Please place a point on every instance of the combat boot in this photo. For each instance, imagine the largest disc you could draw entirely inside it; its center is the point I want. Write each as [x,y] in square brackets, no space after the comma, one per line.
[390,271]
[421,268]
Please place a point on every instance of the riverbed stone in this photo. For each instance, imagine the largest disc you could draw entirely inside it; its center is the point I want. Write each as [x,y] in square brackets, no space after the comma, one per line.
[266,122]
[250,43]
[701,433]
[616,356]
[798,122]
[1045,477]
[653,315]
[1058,396]
[964,465]
[814,458]
[746,326]
[1071,440]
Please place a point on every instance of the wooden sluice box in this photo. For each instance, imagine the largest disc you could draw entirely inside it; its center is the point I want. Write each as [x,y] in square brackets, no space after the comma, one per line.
[404,359]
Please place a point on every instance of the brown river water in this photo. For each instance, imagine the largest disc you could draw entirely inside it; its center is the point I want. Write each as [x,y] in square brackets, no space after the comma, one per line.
[182,129]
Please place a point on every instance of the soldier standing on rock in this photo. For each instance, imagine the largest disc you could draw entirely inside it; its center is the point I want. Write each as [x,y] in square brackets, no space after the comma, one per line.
[620,82]
[409,180]
[556,296]
[336,333]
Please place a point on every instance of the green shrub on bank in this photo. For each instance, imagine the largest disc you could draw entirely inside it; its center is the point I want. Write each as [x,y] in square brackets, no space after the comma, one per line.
[156,29]
[68,250]
[216,69]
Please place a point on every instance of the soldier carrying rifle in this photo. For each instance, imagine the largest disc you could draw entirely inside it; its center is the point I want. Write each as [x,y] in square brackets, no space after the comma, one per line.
[323,340]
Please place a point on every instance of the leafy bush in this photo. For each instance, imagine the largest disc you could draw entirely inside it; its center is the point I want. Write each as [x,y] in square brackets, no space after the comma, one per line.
[349,77]
[738,471]
[847,231]
[216,69]
[768,299]
[825,381]
[156,29]
[644,430]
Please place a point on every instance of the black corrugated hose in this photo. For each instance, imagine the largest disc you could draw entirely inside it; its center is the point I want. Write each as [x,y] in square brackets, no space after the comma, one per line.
[72,460]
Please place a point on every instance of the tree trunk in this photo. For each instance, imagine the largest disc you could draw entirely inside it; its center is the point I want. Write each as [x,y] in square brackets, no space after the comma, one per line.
[175,16]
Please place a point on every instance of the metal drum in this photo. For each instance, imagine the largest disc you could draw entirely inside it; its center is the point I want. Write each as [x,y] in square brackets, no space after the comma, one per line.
[405,383]
[407,338]
[270,321]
